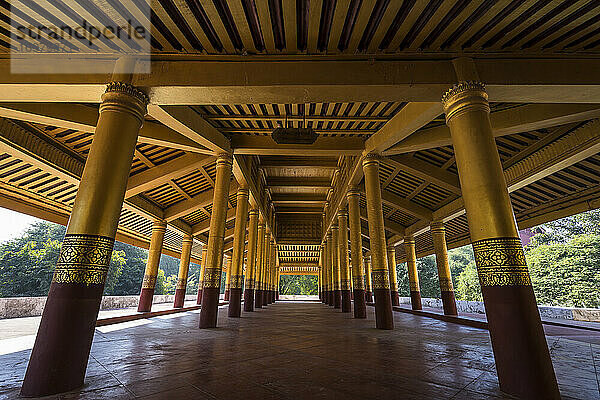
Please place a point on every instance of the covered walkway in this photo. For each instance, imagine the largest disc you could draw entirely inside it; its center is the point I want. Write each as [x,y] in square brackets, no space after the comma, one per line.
[305,350]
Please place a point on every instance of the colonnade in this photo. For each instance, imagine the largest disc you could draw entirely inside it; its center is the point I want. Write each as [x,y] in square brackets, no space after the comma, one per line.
[60,354]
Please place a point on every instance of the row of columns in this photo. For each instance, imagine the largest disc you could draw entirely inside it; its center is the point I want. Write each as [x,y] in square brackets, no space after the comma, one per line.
[59,357]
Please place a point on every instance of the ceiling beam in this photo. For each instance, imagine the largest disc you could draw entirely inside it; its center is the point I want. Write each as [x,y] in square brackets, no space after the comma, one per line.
[83,118]
[179,82]
[309,162]
[520,119]
[203,227]
[297,198]
[323,146]
[188,206]
[407,206]
[294,182]
[163,173]
[426,171]
[299,210]
[189,123]
[409,119]
[391,226]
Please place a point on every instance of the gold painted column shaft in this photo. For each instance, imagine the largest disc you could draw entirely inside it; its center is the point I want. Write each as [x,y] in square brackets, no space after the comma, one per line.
[381,277]
[154,252]
[335,262]
[265,267]
[368,280]
[438,234]
[201,276]
[214,256]
[236,280]
[522,358]
[345,280]
[413,274]
[184,267]
[360,308]
[227,279]
[259,261]
[249,287]
[391,257]
[60,354]
[330,270]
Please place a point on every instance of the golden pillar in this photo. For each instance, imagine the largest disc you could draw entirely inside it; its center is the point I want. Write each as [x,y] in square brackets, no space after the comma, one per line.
[251,261]
[520,349]
[201,276]
[368,280]
[273,270]
[236,277]
[227,278]
[214,255]
[184,267]
[60,354]
[154,252]
[360,308]
[259,261]
[329,260]
[265,265]
[342,246]
[335,263]
[413,274]
[381,278]
[391,257]
[438,234]
[323,274]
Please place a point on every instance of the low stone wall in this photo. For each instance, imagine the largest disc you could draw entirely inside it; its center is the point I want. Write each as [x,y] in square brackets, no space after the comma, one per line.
[477,307]
[16,307]
[298,297]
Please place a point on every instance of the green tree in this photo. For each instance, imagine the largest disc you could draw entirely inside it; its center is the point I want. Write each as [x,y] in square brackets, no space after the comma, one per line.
[468,287]
[298,284]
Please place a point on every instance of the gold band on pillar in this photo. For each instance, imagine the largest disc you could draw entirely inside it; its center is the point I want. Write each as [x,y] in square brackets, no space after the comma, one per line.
[345,277]
[518,340]
[358,271]
[413,274]
[239,239]
[438,235]
[391,257]
[214,256]
[60,354]
[251,255]
[380,275]
[184,267]
[149,282]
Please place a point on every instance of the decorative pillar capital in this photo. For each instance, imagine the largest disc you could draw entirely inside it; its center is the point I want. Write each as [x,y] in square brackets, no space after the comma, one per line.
[437,227]
[188,238]
[409,240]
[121,96]
[353,191]
[465,96]
[224,159]
[159,225]
[371,158]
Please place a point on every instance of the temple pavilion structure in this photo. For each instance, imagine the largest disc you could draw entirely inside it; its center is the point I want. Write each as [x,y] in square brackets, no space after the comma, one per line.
[408,128]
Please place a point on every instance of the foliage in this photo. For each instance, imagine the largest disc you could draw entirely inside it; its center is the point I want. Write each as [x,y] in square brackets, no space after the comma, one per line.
[468,284]
[298,284]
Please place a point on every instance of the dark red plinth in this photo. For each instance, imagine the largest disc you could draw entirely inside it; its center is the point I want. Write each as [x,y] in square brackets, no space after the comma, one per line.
[522,359]
[369,297]
[346,301]
[331,298]
[226,297]
[276,296]
[62,346]
[145,303]
[337,298]
[265,294]
[395,298]
[360,306]
[258,298]
[235,303]
[449,303]
[384,318]
[199,298]
[179,298]
[210,308]
[415,300]
[271,296]
[249,300]
[351,295]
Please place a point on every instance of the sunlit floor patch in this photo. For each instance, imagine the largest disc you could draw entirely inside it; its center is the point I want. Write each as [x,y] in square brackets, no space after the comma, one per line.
[122,325]
[15,344]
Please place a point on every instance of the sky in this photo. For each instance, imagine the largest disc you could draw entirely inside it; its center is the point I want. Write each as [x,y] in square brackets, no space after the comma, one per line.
[13,223]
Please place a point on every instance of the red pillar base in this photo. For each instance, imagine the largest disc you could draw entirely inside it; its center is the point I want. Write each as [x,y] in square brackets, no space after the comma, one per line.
[226,297]
[360,306]
[145,303]
[62,346]
[258,298]
[199,298]
[449,302]
[331,300]
[337,298]
[249,300]
[369,297]
[415,300]
[264,297]
[235,303]
[276,296]
[384,319]
[210,308]
[179,298]
[346,301]
[395,298]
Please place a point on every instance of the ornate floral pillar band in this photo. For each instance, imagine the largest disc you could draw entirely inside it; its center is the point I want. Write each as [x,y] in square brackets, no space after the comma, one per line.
[214,257]
[368,280]
[413,274]
[154,252]
[251,261]
[184,267]
[258,268]
[201,276]
[381,278]
[60,354]
[360,308]
[438,234]
[345,282]
[391,256]
[520,349]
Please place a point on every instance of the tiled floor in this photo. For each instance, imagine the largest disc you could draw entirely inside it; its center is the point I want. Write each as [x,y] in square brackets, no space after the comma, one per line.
[302,351]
